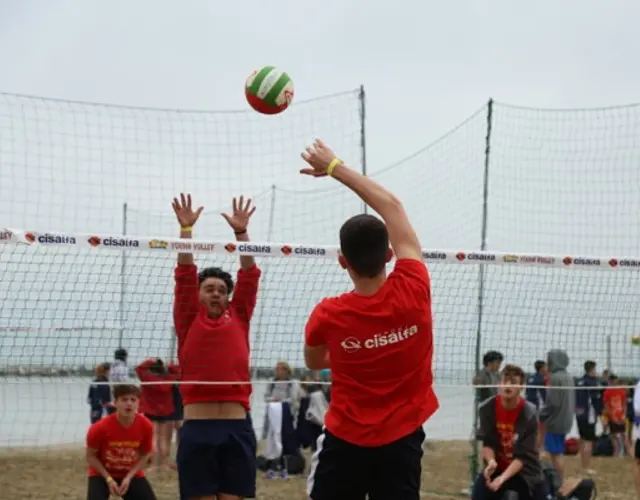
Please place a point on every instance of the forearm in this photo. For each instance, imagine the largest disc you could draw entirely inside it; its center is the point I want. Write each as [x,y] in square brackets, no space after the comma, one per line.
[514,468]
[488,454]
[140,464]
[96,465]
[372,193]
[185,258]
[246,261]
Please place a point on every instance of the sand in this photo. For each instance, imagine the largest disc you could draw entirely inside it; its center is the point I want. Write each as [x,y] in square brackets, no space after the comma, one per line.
[60,474]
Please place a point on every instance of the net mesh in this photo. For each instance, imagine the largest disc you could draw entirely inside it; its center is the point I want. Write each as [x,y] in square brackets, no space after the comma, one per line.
[561,184]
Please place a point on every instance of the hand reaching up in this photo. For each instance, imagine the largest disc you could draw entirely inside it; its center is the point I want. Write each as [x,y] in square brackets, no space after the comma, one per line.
[183,208]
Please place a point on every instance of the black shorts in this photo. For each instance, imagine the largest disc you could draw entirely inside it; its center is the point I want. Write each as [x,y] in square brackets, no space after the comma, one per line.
[586,430]
[344,471]
[139,489]
[637,449]
[617,427]
[217,456]
[160,418]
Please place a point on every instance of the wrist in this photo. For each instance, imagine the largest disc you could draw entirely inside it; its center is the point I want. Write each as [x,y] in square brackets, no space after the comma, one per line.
[110,480]
[238,233]
[336,162]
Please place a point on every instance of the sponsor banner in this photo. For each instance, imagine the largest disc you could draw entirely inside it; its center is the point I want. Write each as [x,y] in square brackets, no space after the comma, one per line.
[99,242]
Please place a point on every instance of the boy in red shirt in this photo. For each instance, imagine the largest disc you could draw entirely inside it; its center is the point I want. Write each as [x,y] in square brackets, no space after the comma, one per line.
[118,448]
[615,409]
[378,342]
[509,435]
[217,450]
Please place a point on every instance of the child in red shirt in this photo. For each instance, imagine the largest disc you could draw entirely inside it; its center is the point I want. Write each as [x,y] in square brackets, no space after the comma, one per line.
[217,449]
[118,448]
[615,410]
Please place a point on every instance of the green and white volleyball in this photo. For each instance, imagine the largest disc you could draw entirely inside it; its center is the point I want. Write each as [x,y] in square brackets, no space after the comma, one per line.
[269,91]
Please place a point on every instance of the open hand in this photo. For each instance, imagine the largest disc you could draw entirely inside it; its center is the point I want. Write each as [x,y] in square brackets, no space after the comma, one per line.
[489,470]
[183,209]
[124,487]
[319,156]
[496,484]
[242,212]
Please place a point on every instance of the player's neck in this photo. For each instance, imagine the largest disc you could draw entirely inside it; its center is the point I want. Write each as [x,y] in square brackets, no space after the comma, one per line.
[126,420]
[368,286]
[510,404]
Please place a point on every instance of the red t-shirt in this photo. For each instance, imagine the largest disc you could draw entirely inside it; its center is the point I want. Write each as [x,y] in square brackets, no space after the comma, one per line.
[380,352]
[119,447]
[214,350]
[615,401]
[155,399]
[506,425]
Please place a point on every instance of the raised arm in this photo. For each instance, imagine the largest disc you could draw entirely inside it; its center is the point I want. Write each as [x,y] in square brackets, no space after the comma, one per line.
[246,290]
[402,236]
[186,297]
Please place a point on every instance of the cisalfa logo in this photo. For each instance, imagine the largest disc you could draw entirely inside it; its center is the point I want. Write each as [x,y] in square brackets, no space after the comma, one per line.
[230,247]
[567,261]
[30,237]
[286,250]
[461,256]
[613,263]
[94,241]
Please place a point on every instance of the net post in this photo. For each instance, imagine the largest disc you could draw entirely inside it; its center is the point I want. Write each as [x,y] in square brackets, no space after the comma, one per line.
[475,462]
[363,135]
[123,270]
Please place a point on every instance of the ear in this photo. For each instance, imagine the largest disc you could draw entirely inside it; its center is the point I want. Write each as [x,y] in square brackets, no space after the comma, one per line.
[389,255]
[342,261]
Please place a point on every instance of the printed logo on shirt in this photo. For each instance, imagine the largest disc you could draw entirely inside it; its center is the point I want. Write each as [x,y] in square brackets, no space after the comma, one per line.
[352,344]
[158,244]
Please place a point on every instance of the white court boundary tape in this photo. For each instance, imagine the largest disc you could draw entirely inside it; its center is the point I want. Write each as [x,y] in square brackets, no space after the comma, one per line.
[158,244]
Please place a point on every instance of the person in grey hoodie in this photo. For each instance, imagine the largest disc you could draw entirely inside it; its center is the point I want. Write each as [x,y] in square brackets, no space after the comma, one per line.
[558,412]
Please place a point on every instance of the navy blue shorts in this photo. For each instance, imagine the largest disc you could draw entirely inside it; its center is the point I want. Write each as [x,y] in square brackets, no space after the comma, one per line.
[217,456]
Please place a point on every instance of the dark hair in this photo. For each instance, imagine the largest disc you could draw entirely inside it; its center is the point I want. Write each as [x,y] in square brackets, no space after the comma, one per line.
[511,372]
[613,378]
[491,356]
[364,243]
[539,365]
[121,390]
[158,367]
[120,354]
[216,272]
[589,365]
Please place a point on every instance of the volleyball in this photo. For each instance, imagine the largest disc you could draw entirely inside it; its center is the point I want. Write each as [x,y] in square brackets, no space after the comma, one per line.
[635,340]
[269,91]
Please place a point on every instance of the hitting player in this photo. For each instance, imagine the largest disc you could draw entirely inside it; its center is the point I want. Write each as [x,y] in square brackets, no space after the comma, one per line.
[217,451]
[378,342]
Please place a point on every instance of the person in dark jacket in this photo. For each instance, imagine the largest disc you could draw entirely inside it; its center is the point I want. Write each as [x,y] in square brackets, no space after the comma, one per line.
[488,376]
[99,397]
[536,391]
[509,432]
[588,410]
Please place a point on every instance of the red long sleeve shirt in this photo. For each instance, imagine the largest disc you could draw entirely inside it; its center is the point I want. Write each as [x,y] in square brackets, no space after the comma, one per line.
[214,350]
[156,399]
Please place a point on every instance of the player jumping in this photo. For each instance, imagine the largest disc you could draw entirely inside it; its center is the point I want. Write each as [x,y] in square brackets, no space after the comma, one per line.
[217,450]
[378,342]
[118,448]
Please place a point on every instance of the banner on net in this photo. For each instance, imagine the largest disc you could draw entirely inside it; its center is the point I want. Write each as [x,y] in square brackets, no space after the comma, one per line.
[105,242]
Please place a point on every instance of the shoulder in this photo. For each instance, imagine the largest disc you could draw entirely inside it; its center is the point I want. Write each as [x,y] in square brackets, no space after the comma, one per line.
[144,422]
[411,270]
[529,411]
[487,407]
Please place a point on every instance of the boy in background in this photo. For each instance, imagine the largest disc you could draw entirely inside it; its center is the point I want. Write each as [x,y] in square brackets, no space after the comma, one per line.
[99,397]
[615,409]
[536,392]
[489,375]
[558,413]
[588,410]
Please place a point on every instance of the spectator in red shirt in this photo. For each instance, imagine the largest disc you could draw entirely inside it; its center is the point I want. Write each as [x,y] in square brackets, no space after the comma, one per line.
[157,403]
[118,448]
[615,410]
[217,450]
[509,434]
[378,342]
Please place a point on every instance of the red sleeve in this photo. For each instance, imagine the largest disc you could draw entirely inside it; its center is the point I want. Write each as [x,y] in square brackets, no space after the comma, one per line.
[174,370]
[94,436]
[314,332]
[146,439]
[414,278]
[246,293]
[186,300]
[143,373]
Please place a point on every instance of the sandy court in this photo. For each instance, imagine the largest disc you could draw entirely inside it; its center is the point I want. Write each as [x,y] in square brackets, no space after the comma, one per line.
[61,475]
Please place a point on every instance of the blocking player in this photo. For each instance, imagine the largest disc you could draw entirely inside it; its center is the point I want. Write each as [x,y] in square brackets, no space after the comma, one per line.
[118,448]
[217,450]
[509,435]
[378,342]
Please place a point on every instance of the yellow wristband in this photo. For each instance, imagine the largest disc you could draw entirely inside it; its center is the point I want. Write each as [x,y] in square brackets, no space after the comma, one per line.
[110,480]
[334,163]
[186,229]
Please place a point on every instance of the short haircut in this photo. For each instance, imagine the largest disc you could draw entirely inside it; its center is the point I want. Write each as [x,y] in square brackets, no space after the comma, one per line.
[491,357]
[589,365]
[614,378]
[511,372]
[216,272]
[120,354]
[122,390]
[364,243]
[539,365]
